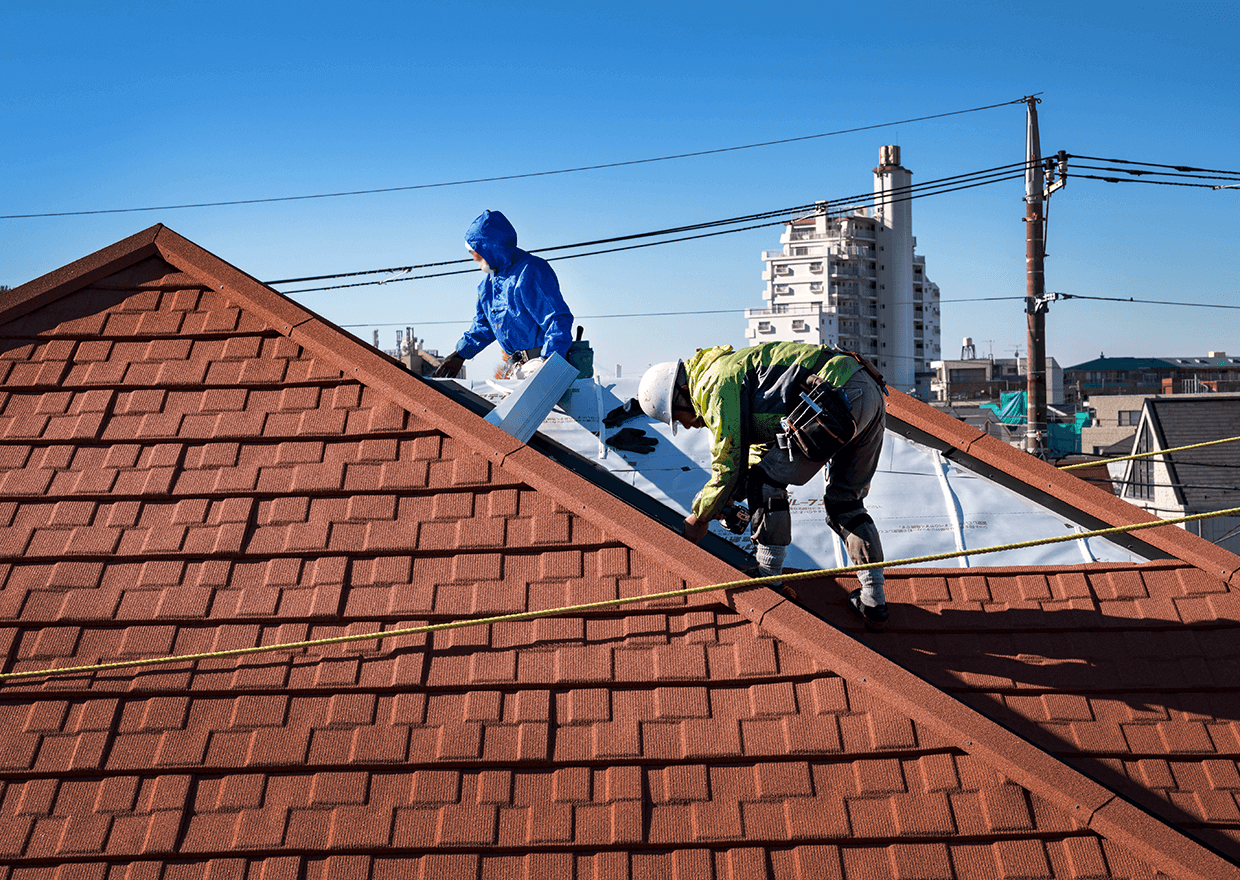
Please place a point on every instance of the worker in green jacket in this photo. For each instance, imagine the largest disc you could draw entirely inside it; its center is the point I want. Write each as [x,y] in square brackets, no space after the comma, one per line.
[777,413]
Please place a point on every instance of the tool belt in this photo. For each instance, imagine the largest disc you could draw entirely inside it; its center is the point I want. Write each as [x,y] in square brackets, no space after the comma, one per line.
[523,356]
[820,424]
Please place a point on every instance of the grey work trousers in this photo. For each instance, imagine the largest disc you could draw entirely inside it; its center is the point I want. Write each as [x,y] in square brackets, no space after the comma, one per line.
[846,483]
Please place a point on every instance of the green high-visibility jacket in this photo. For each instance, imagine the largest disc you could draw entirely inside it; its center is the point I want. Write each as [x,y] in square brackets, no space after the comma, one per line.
[742,395]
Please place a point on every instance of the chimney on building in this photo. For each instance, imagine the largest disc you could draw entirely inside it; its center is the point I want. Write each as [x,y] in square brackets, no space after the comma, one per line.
[894,212]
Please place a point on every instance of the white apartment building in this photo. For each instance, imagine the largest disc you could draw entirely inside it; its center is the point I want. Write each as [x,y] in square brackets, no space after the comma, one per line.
[854,281]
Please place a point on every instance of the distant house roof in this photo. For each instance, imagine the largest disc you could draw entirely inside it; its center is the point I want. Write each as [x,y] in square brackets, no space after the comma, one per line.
[1198,362]
[1106,364]
[195,463]
[1205,477]
[1124,363]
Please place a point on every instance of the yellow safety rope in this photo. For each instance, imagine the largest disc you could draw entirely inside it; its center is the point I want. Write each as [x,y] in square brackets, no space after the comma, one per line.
[1082,464]
[606,603]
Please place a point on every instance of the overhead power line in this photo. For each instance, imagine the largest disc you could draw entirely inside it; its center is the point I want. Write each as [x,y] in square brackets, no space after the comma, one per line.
[845,205]
[1143,180]
[1148,302]
[1184,168]
[1141,172]
[1123,482]
[495,179]
[796,209]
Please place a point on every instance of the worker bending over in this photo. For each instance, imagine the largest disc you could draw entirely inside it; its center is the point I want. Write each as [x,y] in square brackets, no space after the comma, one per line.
[777,413]
[519,303]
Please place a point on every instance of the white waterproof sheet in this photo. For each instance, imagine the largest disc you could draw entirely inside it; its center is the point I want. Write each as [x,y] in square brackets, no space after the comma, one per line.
[921,503]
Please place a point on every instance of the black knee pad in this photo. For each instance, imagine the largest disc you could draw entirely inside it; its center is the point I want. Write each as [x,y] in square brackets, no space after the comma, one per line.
[846,516]
[755,480]
[769,509]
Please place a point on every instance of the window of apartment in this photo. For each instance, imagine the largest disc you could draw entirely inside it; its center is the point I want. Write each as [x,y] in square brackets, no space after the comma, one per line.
[799,326]
[765,327]
[815,267]
[1129,416]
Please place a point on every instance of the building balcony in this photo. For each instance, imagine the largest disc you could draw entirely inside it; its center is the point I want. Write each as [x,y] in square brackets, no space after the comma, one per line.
[794,309]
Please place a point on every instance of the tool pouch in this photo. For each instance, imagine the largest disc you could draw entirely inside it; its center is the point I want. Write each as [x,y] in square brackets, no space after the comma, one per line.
[820,424]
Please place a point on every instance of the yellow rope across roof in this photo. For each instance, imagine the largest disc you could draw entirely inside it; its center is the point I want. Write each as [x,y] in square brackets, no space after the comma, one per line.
[1082,464]
[606,603]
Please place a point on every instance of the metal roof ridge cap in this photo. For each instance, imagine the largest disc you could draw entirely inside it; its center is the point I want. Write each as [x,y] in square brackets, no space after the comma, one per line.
[412,393]
[325,339]
[274,307]
[67,279]
[1014,756]
[1162,845]
[630,525]
[1091,501]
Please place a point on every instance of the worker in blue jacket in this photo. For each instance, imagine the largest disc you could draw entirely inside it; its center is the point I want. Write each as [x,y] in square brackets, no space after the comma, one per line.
[519,303]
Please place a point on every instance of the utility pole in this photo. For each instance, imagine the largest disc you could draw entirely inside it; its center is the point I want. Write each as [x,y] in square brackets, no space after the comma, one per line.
[1036,300]
[1035,288]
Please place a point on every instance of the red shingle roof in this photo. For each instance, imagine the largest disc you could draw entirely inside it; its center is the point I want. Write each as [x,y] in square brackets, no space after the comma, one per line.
[193,463]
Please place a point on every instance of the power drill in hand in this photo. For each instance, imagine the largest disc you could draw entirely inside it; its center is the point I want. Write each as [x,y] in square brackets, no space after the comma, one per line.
[735,519]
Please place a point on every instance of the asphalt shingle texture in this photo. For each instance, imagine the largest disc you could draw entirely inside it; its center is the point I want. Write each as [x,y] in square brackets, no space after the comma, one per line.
[183,472]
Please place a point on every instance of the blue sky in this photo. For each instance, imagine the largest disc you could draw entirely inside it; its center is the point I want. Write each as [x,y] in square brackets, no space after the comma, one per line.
[127,105]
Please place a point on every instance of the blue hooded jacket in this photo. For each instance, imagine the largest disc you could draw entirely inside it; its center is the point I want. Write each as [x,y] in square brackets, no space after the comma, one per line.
[520,305]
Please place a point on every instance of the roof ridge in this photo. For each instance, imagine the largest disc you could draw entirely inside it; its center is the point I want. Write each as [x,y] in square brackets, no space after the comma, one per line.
[1047,485]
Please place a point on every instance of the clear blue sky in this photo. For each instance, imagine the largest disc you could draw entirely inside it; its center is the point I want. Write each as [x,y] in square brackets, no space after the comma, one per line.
[127,105]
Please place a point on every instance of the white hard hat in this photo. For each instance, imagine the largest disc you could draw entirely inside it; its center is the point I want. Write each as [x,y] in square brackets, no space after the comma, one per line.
[657,392]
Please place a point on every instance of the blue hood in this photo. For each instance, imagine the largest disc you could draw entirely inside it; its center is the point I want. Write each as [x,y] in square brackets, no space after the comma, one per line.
[494,239]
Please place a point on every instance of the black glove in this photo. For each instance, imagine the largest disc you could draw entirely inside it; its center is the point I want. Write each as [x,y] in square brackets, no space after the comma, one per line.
[625,411]
[449,367]
[632,440]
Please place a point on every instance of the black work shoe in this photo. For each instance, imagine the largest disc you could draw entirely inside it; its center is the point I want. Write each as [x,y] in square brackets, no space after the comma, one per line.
[875,616]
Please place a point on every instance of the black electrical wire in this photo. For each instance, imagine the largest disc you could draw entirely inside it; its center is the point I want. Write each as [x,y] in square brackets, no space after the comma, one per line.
[598,167]
[939,187]
[797,209]
[664,314]
[1126,482]
[1149,302]
[1175,462]
[1137,172]
[1139,180]
[552,259]
[1185,168]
